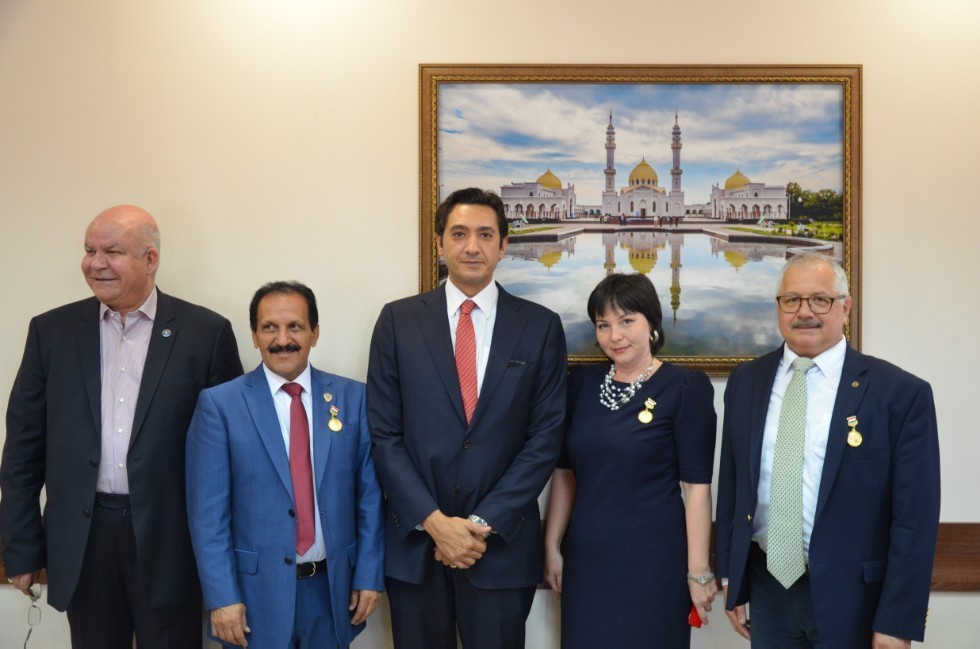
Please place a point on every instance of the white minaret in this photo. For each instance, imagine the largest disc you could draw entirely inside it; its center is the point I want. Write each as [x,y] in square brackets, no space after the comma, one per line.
[609,193]
[676,197]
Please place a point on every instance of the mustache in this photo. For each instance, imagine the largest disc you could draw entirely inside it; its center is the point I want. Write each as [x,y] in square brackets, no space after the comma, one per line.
[288,347]
[806,323]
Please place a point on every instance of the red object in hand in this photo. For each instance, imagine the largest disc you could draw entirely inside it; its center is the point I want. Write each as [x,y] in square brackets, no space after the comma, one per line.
[693,618]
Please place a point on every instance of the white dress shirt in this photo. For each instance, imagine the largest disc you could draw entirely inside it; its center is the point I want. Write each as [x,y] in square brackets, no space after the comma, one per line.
[822,381]
[317,551]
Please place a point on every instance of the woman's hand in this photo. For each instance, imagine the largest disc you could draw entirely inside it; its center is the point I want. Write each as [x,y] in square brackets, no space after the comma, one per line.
[554,564]
[702,596]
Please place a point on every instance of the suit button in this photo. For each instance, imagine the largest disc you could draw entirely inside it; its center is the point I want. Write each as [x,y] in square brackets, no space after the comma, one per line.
[456,489]
[749,518]
[466,444]
[287,561]
[292,514]
[87,514]
[94,463]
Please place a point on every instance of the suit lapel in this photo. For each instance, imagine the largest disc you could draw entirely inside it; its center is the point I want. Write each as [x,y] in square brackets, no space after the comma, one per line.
[258,399]
[320,386]
[507,329]
[434,324]
[850,393]
[156,359]
[89,344]
[761,392]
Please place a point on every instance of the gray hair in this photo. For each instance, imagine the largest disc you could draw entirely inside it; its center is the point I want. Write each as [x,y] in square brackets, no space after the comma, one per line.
[814,259]
[150,235]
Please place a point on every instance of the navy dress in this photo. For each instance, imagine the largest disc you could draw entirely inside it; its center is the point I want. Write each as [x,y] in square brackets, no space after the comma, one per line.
[624,582]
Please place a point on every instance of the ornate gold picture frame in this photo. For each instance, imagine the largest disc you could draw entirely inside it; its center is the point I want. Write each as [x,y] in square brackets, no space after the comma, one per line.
[703,177]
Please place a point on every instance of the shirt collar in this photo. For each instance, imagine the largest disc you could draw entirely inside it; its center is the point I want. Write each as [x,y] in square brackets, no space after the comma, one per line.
[276,382]
[486,300]
[829,362]
[148,308]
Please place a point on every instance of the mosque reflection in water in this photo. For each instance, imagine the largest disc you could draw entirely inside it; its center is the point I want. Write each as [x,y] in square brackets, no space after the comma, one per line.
[717,296]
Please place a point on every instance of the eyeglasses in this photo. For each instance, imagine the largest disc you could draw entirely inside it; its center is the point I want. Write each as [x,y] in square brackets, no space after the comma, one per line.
[819,304]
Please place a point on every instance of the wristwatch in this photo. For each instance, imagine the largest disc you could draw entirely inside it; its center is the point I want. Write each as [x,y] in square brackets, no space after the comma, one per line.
[702,580]
[479,520]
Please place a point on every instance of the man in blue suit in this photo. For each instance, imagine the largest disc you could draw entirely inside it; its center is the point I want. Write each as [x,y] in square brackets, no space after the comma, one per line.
[466,401]
[849,563]
[283,501]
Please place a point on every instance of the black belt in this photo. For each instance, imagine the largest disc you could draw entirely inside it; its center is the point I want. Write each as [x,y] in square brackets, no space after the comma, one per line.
[111,501]
[806,564]
[304,570]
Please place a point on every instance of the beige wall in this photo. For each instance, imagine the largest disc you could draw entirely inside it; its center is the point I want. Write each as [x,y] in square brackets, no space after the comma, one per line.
[254,128]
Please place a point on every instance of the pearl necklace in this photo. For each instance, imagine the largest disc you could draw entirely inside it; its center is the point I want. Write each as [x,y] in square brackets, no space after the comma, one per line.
[613,397]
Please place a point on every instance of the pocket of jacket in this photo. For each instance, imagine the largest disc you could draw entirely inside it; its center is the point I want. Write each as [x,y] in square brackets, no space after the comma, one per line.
[247,562]
[874,571]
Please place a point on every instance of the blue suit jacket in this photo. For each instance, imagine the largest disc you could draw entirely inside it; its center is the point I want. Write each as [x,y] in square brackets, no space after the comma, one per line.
[240,499]
[877,516]
[428,458]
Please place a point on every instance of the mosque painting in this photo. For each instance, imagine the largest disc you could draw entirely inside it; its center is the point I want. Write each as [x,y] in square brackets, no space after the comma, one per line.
[654,179]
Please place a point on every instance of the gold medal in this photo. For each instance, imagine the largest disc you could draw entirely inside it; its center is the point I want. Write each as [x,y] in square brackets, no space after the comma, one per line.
[646,416]
[854,437]
[334,424]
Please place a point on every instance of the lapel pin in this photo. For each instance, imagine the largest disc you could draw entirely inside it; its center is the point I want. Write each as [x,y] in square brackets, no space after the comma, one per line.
[166,333]
[327,397]
[854,438]
[334,424]
[646,415]
[855,384]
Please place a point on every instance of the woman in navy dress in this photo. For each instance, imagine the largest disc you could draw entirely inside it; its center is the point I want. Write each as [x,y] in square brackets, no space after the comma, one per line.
[626,552]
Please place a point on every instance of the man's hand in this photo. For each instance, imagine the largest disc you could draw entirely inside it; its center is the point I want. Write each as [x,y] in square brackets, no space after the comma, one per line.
[363,603]
[459,541]
[23,582]
[882,641]
[738,618]
[228,623]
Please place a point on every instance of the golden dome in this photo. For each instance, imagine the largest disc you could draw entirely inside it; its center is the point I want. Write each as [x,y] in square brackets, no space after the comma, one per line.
[737,180]
[549,180]
[643,173]
[549,259]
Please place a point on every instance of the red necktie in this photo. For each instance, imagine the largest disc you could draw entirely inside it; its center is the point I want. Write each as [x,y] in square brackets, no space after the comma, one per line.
[301,468]
[466,358]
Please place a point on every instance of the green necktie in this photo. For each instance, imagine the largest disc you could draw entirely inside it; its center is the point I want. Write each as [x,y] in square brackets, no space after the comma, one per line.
[785,541]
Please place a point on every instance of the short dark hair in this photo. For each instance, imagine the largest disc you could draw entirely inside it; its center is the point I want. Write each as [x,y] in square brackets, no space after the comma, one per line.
[632,293]
[283,288]
[471,196]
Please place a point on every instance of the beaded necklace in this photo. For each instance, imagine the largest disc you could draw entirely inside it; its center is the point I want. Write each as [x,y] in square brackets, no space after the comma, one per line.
[612,397]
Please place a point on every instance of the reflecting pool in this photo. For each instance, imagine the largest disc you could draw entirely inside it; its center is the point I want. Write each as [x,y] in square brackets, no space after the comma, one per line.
[717,296]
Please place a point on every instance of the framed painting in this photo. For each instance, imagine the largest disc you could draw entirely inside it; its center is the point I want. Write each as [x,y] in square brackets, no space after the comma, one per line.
[705,178]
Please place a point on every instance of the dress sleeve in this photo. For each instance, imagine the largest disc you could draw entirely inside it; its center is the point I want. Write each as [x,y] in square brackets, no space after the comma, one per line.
[695,429]
[574,385]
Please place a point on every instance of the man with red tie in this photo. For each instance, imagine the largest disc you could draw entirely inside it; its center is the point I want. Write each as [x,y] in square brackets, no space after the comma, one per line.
[466,402]
[283,502]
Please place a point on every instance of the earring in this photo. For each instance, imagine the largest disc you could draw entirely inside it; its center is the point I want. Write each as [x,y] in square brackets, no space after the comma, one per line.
[655,336]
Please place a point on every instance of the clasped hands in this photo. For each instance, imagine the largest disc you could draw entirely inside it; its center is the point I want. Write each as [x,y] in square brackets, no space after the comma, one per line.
[460,542]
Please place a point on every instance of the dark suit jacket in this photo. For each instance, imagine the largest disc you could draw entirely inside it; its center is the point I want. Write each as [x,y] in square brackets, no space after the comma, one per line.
[428,458]
[54,424]
[877,516]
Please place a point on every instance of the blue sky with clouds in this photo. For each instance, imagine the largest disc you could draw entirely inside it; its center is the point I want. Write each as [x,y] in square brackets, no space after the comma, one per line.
[494,134]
